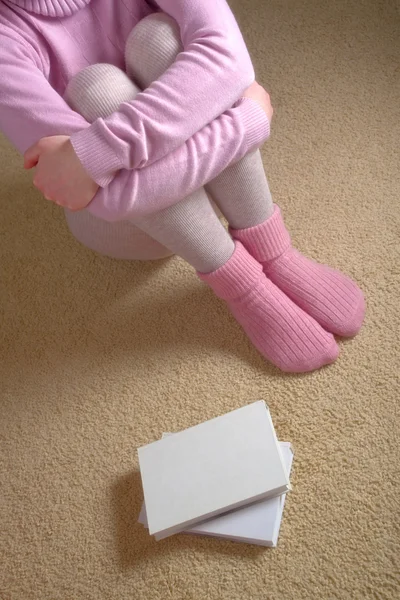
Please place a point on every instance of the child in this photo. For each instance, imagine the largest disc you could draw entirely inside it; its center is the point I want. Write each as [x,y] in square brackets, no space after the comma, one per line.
[130,166]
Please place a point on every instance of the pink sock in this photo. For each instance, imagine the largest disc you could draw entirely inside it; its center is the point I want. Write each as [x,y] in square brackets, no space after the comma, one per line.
[330,297]
[279,329]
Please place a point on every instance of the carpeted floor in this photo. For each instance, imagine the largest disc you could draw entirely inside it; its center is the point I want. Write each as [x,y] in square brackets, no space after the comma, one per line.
[98,357]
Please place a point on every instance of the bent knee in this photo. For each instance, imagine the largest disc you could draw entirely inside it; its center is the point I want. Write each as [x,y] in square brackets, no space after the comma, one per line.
[99,90]
[152,47]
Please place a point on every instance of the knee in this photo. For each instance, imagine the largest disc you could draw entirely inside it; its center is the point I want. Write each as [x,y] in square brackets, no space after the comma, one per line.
[151,48]
[99,90]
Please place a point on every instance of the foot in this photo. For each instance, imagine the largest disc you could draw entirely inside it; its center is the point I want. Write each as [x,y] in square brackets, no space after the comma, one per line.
[330,297]
[280,330]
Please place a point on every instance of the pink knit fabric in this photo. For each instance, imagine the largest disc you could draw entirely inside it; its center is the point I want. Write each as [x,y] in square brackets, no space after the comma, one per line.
[174,137]
[330,297]
[279,329]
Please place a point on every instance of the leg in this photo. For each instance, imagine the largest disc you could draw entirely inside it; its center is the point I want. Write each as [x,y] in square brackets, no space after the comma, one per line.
[330,297]
[242,192]
[278,328]
[190,228]
[123,240]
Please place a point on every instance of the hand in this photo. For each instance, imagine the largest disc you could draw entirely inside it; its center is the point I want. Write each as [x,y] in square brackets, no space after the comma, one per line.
[60,175]
[257,93]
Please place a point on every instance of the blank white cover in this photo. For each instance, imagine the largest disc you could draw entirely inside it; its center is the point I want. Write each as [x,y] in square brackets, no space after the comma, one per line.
[255,524]
[219,465]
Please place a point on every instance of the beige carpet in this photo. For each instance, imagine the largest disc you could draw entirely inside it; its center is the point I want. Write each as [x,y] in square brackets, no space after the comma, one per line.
[99,357]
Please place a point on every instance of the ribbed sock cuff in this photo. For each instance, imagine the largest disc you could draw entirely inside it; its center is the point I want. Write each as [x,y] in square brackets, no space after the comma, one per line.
[266,241]
[236,277]
[95,154]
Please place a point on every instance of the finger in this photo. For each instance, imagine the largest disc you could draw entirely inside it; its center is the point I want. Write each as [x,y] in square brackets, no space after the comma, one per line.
[31,157]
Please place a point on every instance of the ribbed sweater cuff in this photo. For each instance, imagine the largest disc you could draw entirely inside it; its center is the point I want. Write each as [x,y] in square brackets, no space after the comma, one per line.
[96,156]
[255,121]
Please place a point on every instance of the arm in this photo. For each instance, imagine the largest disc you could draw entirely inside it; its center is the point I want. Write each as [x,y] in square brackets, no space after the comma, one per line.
[30,109]
[143,191]
[206,79]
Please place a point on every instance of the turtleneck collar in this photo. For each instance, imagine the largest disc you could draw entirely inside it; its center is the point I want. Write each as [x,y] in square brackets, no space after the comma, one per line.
[51,8]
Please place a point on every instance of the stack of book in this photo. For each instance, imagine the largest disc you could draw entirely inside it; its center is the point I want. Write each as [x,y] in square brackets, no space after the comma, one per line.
[226,478]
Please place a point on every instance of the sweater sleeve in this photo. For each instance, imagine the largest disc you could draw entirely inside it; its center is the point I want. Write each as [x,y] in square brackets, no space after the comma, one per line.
[204,156]
[206,79]
[30,108]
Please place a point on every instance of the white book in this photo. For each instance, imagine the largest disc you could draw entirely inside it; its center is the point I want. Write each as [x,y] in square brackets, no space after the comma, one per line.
[257,523]
[217,466]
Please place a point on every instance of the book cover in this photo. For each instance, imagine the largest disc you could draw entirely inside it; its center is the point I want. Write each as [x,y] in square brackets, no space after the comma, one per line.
[257,523]
[211,468]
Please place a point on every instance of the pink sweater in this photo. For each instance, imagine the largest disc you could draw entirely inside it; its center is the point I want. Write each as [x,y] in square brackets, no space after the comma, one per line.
[172,138]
